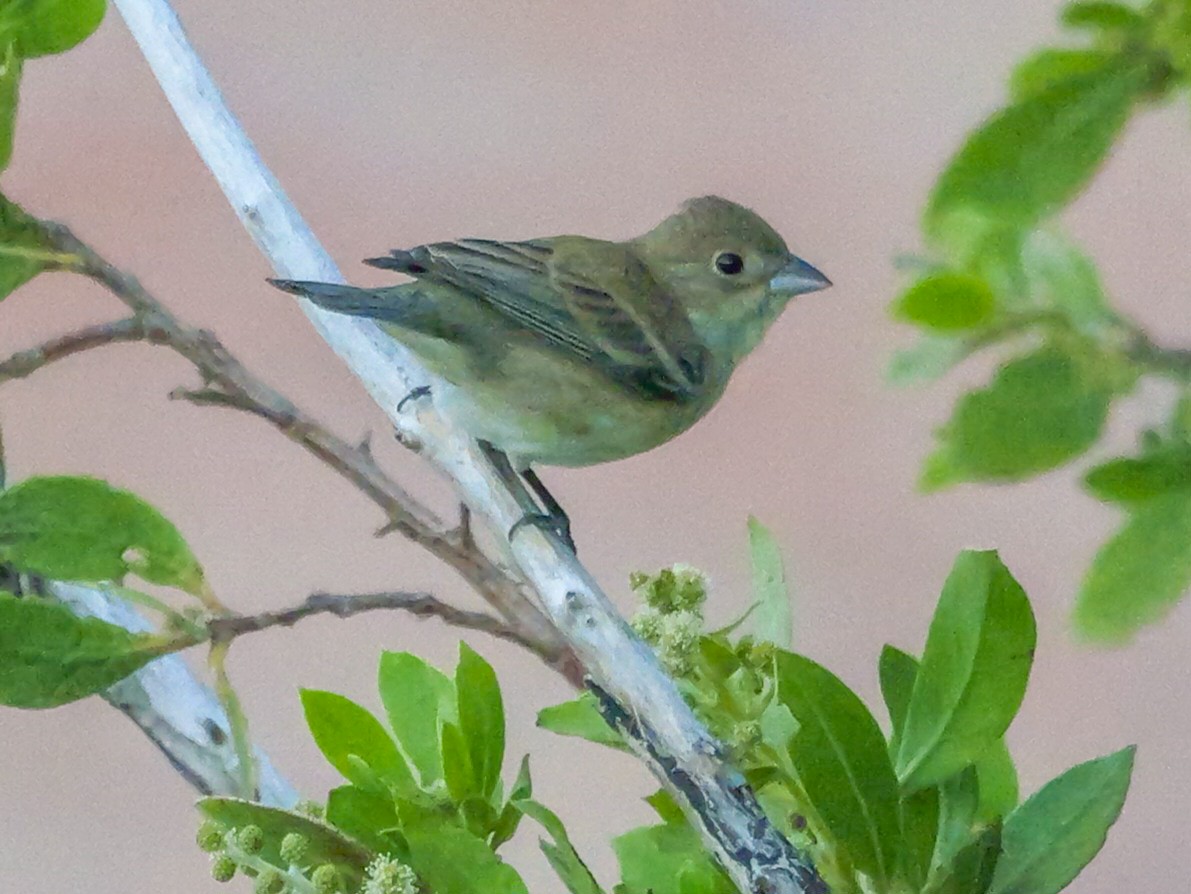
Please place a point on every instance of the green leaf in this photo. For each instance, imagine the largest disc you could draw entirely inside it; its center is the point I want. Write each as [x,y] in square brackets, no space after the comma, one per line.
[665,806]
[84,529]
[1061,277]
[417,698]
[10,79]
[1102,16]
[919,815]
[973,673]
[456,764]
[481,718]
[927,360]
[997,777]
[1131,481]
[667,859]
[1049,66]
[324,844]
[366,816]
[773,618]
[581,717]
[959,800]
[49,656]
[1054,834]
[563,857]
[43,27]
[23,251]
[342,729]
[842,763]
[510,817]
[897,671]
[451,860]
[1140,573]
[1040,411]
[946,302]
[1034,156]
[971,872]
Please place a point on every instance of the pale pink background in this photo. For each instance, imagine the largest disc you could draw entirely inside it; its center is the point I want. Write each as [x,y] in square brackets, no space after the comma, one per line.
[396,123]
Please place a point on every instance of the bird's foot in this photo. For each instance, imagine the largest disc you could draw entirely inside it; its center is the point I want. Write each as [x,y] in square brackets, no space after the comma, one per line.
[558,525]
[417,394]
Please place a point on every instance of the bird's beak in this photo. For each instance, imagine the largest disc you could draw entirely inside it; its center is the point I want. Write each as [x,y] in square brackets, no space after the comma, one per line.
[797,278]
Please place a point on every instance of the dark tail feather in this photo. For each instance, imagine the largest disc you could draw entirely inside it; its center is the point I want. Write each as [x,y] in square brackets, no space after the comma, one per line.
[402,261]
[375,303]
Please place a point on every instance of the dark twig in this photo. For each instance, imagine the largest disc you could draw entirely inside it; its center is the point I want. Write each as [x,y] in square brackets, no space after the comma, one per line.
[226,382]
[420,604]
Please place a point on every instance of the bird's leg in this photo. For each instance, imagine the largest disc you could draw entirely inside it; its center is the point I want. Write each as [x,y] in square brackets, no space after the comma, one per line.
[417,394]
[554,518]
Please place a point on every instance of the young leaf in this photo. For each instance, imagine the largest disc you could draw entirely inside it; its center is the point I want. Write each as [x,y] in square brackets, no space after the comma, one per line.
[10,79]
[1102,16]
[997,778]
[581,718]
[20,239]
[1139,574]
[510,817]
[1129,480]
[417,698]
[946,302]
[49,656]
[342,729]
[1056,832]
[1040,411]
[666,860]
[1059,276]
[896,670]
[324,844]
[959,800]
[451,860]
[973,673]
[457,770]
[1035,155]
[1050,66]
[85,529]
[366,816]
[481,718]
[773,618]
[563,857]
[44,27]
[919,815]
[842,763]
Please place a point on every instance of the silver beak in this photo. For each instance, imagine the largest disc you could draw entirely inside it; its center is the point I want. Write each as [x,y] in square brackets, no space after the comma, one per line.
[797,278]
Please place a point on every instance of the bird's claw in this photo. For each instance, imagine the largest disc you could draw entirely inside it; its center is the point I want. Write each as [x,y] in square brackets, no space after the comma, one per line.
[417,394]
[555,524]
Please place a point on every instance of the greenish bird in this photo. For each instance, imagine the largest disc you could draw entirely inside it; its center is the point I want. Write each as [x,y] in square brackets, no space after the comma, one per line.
[569,350]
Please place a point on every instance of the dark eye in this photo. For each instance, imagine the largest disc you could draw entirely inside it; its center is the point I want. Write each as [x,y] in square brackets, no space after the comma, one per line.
[729,263]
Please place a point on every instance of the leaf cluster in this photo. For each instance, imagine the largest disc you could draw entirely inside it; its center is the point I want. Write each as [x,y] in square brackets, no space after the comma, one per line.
[1001,274]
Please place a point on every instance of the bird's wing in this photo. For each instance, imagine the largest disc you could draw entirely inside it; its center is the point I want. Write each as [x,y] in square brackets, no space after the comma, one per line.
[593,299]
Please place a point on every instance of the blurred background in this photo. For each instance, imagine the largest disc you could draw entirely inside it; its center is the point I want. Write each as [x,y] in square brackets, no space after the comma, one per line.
[396,123]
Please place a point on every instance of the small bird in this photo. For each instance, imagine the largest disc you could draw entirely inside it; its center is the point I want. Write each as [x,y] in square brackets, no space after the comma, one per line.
[571,351]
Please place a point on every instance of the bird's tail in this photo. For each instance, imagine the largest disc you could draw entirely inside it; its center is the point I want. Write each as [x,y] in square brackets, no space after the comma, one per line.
[374,303]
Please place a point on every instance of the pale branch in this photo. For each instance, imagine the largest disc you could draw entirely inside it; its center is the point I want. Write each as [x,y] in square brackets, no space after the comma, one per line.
[229,383]
[345,605]
[24,363]
[713,793]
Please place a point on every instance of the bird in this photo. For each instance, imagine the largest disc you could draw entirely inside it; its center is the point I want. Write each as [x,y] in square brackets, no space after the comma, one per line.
[572,351]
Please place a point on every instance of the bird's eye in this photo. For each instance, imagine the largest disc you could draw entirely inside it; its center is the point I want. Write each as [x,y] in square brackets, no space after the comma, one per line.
[729,263]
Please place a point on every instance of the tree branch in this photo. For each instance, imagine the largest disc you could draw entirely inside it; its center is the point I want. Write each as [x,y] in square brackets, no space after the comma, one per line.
[28,362]
[673,743]
[423,605]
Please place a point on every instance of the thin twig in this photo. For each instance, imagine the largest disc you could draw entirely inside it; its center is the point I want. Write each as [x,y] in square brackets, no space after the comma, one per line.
[26,362]
[420,604]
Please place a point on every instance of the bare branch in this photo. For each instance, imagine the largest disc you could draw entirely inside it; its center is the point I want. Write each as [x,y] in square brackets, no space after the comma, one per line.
[28,362]
[423,605]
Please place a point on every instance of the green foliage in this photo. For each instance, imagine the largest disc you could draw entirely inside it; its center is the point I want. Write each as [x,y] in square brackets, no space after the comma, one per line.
[1002,276]
[45,27]
[84,529]
[561,854]
[772,616]
[1053,835]
[667,859]
[355,743]
[49,656]
[1040,411]
[581,718]
[973,674]
[22,246]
